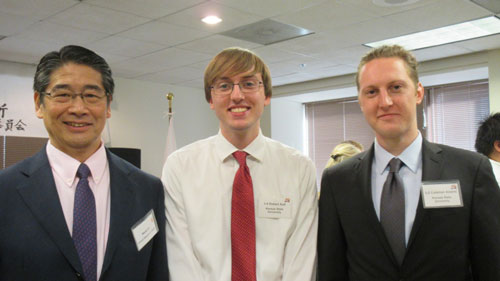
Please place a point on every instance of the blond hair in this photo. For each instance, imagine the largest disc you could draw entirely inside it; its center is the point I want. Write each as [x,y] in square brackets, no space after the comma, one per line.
[233,61]
[343,151]
[391,51]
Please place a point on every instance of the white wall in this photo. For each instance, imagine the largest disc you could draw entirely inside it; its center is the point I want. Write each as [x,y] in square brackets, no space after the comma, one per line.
[494,74]
[287,122]
[137,118]
[136,113]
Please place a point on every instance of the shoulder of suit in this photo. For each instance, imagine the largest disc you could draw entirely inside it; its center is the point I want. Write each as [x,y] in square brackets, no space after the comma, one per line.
[24,165]
[458,151]
[347,165]
[457,156]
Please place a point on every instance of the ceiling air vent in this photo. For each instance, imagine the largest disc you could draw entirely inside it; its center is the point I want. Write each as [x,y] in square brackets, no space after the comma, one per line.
[267,32]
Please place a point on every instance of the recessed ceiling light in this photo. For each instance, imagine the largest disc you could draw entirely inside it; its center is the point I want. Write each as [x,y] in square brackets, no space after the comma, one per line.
[211,20]
[444,35]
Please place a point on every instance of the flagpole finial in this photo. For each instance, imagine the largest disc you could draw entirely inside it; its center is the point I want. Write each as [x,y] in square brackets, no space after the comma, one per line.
[170,97]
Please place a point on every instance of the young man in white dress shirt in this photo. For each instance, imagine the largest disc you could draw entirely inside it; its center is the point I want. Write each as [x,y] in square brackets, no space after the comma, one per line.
[199,186]
[488,142]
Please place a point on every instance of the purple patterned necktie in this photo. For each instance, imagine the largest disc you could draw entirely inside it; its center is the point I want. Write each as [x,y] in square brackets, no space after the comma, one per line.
[84,225]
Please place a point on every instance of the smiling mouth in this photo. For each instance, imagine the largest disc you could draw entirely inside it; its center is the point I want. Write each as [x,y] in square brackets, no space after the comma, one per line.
[238,109]
[76,124]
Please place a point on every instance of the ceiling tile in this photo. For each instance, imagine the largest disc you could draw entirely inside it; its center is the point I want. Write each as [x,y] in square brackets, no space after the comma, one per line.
[124,46]
[146,8]
[98,19]
[447,50]
[21,50]
[319,17]
[12,24]
[347,56]
[164,33]
[201,65]
[175,75]
[273,54]
[292,78]
[369,6]
[197,84]
[214,44]
[266,8]
[282,68]
[331,71]
[35,9]
[438,14]
[53,33]
[161,60]
[231,18]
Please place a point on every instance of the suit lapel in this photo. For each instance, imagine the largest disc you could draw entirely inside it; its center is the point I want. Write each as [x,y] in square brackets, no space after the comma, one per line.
[431,170]
[364,174]
[40,195]
[121,206]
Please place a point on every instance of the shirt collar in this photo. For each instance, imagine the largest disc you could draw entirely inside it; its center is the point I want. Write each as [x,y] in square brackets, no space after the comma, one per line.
[66,166]
[410,156]
[224,148]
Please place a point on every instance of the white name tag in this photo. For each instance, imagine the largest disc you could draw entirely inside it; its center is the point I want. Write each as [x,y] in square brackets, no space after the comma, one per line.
[275,209]
[442,194]
[144,230]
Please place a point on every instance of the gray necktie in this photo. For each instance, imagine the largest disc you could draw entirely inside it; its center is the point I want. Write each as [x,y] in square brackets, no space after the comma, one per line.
[392,210]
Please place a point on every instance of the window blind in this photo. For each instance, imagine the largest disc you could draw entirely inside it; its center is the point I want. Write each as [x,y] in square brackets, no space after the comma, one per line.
[454,112]
[329,123]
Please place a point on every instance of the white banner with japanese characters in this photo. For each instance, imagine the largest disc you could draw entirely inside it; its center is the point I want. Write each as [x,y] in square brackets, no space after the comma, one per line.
[17,108]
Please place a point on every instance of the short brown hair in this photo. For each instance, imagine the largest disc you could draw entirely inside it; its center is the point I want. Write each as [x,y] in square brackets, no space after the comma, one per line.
[233,61]
[391,51]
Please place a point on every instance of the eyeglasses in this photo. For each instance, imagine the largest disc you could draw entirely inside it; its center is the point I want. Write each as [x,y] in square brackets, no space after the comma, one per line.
[247,86]
[64,96]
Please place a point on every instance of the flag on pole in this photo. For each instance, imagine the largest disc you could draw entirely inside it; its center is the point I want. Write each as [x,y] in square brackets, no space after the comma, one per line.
[170,145]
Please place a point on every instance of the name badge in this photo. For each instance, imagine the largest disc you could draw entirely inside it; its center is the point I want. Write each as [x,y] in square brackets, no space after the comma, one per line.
[442,194]
[275,209]
[144,230]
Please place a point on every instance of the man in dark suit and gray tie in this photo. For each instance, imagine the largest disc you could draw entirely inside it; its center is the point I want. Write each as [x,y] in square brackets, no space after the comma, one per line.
[74,210]
[406,209]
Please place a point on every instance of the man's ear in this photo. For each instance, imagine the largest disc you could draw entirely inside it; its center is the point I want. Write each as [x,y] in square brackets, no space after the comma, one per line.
[38,105]
[211,102]
[267,101]
[108,109]
[496,146]
[420,92]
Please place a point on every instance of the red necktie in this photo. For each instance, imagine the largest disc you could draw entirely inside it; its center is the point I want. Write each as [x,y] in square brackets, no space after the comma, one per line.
[242,224]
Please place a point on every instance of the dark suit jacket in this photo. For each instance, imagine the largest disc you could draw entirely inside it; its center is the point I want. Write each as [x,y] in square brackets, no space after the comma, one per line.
[454,244]
[35,243]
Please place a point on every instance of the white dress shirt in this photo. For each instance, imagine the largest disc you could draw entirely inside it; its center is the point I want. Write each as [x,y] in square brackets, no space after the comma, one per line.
[496,169]
[410,172]
[198,179]
[64,169]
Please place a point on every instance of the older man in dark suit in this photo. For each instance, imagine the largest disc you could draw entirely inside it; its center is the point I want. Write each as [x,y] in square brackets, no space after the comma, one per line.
[406,209]
[75,211]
